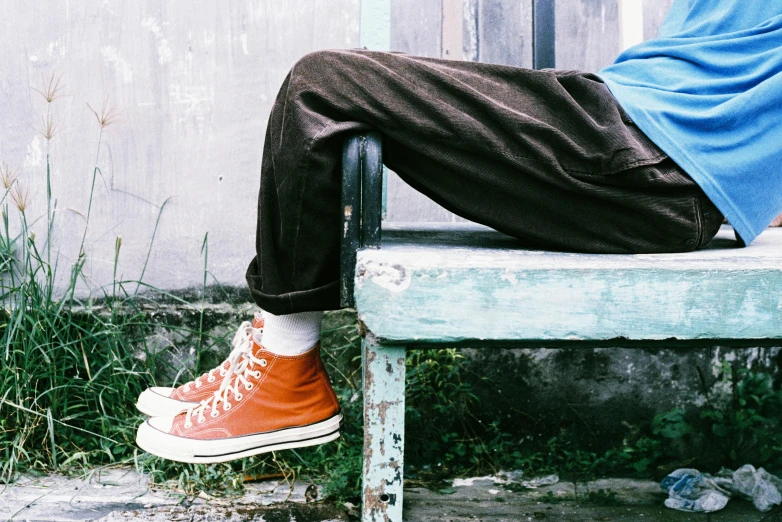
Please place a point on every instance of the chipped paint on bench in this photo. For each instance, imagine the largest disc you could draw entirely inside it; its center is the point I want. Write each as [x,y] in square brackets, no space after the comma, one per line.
[384,431]
[447,287]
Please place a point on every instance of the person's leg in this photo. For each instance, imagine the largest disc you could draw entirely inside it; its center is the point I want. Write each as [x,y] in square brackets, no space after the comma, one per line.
[546,156]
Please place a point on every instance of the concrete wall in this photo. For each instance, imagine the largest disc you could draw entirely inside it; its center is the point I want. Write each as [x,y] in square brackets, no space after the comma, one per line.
[589,36]
[193,84]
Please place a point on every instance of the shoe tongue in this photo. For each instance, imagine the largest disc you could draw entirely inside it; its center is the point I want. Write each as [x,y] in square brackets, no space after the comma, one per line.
[257,346]
[258,320]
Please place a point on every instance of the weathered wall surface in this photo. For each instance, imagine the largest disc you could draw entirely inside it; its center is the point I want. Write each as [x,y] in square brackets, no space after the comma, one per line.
[589,36]
[193,83]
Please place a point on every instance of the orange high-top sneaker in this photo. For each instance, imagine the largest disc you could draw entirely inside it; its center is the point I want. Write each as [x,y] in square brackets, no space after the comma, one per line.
[159,401]
[268,402]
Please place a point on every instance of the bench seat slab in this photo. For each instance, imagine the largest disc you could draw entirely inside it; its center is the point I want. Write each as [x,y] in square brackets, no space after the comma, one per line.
[468,283]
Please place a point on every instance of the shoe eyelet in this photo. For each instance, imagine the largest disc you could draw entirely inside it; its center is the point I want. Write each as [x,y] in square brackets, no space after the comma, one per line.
[201,420]
[248,386]
[211,378]
[214,413]
[188,425]
[263,363]
[198,385]
[222,373]
[257,374]
[238,396]
[227,406]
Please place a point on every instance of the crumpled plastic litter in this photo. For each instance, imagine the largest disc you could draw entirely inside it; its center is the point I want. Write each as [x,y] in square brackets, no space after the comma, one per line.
[758,485]
[510,477]
[691,490]
[537,482]
[517,477]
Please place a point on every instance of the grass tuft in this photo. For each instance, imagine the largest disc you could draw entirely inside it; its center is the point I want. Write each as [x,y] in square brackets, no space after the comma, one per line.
[71,369]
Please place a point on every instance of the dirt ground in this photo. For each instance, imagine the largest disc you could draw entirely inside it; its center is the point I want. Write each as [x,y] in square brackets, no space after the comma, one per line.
[123,495]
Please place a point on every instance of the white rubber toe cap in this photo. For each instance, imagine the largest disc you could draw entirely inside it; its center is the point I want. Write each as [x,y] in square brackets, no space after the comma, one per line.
[153,437]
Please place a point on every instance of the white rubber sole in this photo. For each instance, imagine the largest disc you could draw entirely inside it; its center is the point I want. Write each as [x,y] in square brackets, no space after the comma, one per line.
[156,404]
[182,449]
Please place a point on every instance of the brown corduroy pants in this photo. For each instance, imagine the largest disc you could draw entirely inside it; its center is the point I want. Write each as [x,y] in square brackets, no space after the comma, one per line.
[546,156]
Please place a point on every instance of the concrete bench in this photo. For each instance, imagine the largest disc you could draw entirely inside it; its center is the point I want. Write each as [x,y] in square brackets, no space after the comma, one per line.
[460,285]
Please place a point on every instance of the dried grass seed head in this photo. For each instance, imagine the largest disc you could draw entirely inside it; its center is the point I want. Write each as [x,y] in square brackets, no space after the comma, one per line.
[20,196]
[108,114]
[51,88]
[49,127]
[7,176]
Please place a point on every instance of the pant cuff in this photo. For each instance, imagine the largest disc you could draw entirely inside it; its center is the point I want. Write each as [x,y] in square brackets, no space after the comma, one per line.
[317,299]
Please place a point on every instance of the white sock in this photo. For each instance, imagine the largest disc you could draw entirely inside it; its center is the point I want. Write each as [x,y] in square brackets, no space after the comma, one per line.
[291,334]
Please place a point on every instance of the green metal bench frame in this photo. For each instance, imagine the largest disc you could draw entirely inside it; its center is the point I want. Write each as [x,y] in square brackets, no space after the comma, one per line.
[362,205]
[722,296]
[383,368]
[475,287]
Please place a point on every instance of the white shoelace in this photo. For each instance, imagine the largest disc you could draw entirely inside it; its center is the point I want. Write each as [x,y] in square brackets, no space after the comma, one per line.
[242,344]
[242,363]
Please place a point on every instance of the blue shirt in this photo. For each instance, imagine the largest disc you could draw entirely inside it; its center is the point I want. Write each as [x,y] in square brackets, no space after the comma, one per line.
[708,92]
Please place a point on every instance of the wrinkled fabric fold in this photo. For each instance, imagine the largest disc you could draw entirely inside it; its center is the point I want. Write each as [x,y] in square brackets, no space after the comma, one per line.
[548,157]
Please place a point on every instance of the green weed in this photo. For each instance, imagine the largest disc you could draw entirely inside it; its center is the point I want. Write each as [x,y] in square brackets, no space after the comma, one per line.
[602,497]
[71,369]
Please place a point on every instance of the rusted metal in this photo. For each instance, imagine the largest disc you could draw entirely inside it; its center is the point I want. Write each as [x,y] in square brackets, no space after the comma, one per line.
[384,427]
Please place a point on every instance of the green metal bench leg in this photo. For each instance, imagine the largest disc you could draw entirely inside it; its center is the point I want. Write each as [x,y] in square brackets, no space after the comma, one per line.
[384,431]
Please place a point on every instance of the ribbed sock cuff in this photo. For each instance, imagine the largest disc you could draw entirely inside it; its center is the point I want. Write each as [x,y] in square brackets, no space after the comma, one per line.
[291,334]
